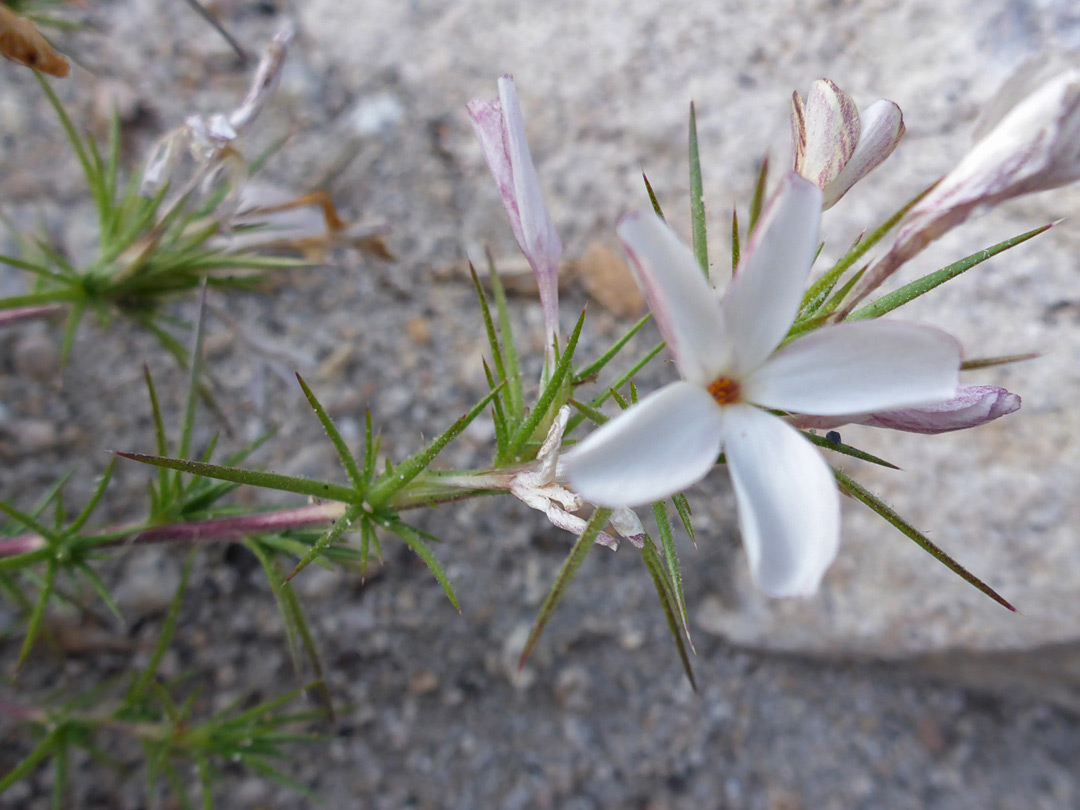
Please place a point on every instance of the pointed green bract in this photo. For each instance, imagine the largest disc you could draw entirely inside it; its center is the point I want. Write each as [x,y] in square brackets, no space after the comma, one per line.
[413,539]
[41,752]
[347,460]
[601,398]
[734,239]
[389,483]
[909,292]
[847,450]
[670,607]
[547,397]
[697,200]
[193,377]
[598,364]
[819,289]
[489,324]
[682,506]
[498,418]
[331,535]
[33,624]
[652,197]
[1005,359]
[168,629]
[880,507]
[98,587]
[285,483]
[591,414]
[566,573]
[671,557]
[295,624]
[758,201]
[509,347]
[95,499]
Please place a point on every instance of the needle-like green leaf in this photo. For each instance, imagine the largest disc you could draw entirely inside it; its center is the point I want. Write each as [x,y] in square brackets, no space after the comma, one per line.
[847,450]
[285,483]
[682,506]
[697,200]
[877,505]
[347,460]
[512,373]
[670,607]
[652,196]
[331,535]
[547,396]
[897,298]
[566,573]
[671,557]
[33,624]
[168,629]
[758,201]
[819,289]
[598,364]
[389,483]
[414,539]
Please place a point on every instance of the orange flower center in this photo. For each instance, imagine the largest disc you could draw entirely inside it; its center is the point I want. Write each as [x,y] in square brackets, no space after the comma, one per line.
[725,391]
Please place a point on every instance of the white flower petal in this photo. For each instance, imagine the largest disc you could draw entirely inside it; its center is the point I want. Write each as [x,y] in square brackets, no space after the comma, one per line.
[859,367]
[882,129]
[662,445]
[789,507]
[768,286]
[686,308]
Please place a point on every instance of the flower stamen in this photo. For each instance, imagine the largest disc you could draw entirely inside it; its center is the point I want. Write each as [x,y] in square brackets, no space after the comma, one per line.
[725,391]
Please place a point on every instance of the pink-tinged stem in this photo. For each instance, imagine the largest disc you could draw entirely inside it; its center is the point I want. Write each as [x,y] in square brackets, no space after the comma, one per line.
[22,712]
[35,313]
[207,531]
[23,544]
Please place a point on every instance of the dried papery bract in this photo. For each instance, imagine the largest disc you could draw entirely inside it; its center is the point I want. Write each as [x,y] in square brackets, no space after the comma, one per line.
[536,486]
[833,145]
[1027,140]
[733,376]
[20,41]
[501,131]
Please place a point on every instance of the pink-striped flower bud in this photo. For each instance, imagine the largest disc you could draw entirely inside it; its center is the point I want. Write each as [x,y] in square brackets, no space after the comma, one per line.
[833,145]
[501,130]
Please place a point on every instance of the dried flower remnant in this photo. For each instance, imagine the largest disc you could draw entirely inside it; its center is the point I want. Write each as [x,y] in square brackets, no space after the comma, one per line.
[536,486]
[833,145]
[501,131]
[209,141]
[725,349]
[972,406]
[20,41]
[1027,140]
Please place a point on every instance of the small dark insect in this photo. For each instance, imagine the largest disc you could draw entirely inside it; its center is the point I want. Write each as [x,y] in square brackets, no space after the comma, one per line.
[833,437]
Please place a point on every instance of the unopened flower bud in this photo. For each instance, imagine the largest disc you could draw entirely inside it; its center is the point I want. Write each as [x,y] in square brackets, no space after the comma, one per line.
[833,146]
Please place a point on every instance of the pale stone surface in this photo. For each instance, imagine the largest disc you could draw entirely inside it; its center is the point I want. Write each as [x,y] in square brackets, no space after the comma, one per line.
[605,87]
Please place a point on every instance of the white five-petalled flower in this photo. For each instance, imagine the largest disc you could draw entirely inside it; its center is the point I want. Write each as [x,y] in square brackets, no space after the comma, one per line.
[726,350]
[833,145]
